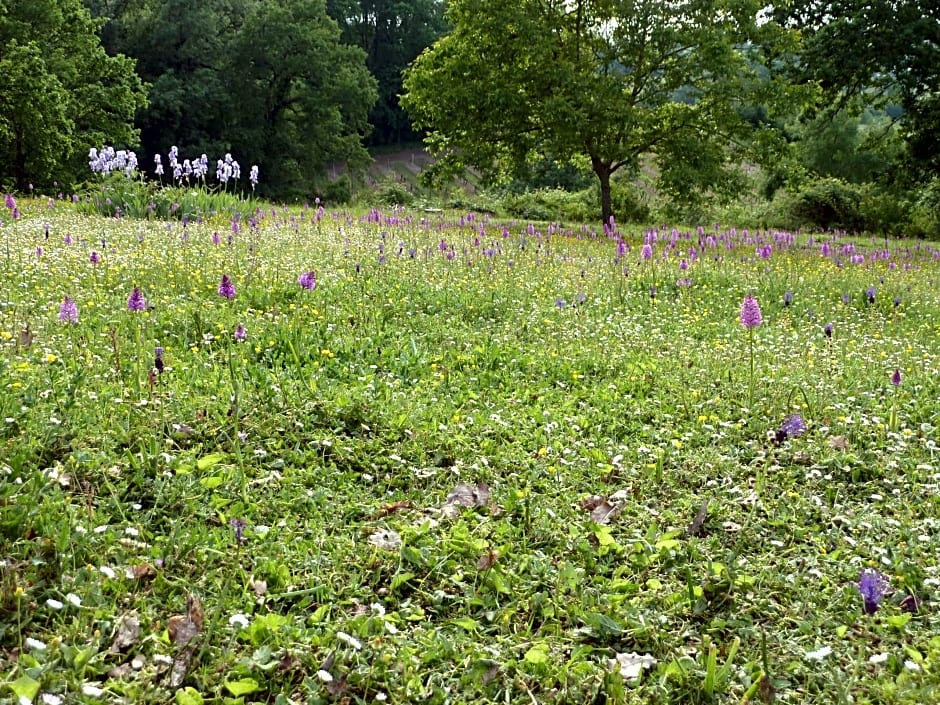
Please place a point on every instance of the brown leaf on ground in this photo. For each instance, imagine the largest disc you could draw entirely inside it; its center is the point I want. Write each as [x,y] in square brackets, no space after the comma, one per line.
[465,496]
[487,560]
[602,511]
[127,634]
[696,528]
[337,686]
[490,675]
[387,509]
[838,443]
[183,627]
[591,503]
[181,666]
[141,571]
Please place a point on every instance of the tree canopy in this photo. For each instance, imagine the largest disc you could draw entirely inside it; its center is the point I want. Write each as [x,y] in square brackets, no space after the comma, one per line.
[392,33]
[60,92]
[269,81]
[609,81]
[874,52]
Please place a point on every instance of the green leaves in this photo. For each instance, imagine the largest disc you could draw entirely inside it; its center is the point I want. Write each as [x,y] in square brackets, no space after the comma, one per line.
[610,82]
[60,94]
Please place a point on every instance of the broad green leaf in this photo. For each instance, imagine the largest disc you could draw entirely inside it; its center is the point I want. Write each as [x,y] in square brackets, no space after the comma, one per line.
[466,623]
[25,687]
[244,686]
[899,621]
[207,461]
[211,482]
[188,696]
[537,655]
[400,579]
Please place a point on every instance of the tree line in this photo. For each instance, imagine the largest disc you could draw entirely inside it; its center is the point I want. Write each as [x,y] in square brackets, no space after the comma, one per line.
[691,88]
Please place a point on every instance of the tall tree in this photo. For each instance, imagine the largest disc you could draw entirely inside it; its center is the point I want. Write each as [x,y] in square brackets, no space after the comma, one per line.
[874,52]
[392,33]
[608,80]
[270,81]
[61,93]
[300,98]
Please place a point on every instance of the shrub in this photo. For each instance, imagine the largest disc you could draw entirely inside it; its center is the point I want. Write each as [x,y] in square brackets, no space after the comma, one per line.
[393,193]
[828,204]
[925,211]
[336,192]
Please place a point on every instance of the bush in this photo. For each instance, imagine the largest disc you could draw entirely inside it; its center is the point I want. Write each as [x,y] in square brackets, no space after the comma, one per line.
[336,192]
[925,211]
[886,210]
[828,204]
[628,201]
[393,193]
[552,205]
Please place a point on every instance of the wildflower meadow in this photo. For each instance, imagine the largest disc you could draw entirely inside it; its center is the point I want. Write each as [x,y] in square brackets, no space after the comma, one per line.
[263,454]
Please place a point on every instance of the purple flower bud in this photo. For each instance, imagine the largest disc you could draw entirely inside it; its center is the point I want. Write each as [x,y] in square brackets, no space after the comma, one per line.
[750,313]
[94,257]
[788,298]
[226,288]
[68,311]
[896,377]
[308,280]
[872,585]
[828,330]
[136,302]
[240,333]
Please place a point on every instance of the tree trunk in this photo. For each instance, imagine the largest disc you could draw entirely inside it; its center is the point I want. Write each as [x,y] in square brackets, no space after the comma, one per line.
[603,171]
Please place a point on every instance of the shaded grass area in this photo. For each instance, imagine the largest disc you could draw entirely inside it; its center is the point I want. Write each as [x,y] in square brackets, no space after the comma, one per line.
[478,462]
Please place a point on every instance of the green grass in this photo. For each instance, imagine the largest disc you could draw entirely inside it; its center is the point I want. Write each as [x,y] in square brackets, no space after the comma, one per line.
[457,480]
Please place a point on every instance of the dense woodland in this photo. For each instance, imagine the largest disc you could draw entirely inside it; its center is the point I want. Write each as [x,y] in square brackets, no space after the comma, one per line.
[644,109]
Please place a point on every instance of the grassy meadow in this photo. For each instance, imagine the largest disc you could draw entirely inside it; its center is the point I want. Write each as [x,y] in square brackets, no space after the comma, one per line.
[464,461]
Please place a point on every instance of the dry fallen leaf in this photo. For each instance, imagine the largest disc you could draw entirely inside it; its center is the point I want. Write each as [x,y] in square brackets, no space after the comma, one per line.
[465,496]
[391,508]
[490,675]
[838,443]
[487,560]
[181,666]
[121,671]
[698,523]
[386,539]
[127,634]
[601,510]
[337,686]
[183,627]
[141,571]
